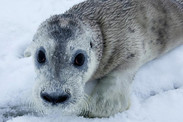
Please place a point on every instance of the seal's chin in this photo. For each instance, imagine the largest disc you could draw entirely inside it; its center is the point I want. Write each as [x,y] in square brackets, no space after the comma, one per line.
[70,107]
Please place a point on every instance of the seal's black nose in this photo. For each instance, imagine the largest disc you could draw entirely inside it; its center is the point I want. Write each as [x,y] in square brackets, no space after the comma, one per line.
[55,98]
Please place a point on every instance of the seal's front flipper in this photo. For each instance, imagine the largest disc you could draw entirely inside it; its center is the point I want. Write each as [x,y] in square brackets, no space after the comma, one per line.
[9,112]
[111,95]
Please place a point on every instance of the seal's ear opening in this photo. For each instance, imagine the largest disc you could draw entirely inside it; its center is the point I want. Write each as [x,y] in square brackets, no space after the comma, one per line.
[27,52]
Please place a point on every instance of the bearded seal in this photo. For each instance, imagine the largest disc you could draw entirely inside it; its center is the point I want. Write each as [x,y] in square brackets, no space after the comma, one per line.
[102,40]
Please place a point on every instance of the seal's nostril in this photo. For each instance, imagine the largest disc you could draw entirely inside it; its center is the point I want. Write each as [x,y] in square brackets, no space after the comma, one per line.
[55,98]
[62,98]
[46,97]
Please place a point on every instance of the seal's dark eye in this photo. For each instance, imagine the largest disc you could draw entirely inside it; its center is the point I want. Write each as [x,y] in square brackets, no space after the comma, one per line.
[79,60]
[41,58]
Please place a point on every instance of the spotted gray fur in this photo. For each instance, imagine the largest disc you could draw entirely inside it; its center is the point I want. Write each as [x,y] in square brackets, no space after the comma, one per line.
[117,37]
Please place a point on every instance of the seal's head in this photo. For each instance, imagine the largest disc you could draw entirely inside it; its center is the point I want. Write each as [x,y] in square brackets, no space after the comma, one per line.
[66,53]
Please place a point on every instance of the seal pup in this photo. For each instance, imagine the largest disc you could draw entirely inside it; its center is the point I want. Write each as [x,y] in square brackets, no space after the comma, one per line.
[102,40]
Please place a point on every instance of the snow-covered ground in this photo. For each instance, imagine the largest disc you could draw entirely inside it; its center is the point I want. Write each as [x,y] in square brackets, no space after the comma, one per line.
[157,93]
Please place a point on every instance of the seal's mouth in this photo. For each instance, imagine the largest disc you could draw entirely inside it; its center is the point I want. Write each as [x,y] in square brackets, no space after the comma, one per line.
[54,103]
[53,97]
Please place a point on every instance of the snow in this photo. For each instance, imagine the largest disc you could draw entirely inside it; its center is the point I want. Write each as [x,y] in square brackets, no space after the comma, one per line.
[157,92]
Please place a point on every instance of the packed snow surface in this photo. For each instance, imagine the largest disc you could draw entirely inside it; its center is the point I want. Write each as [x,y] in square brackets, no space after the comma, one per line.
[157,92]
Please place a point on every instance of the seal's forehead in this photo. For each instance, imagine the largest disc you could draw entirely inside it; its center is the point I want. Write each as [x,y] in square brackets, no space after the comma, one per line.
[61,27]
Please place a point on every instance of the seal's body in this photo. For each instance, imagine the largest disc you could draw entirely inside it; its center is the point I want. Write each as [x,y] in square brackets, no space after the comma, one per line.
[103,40]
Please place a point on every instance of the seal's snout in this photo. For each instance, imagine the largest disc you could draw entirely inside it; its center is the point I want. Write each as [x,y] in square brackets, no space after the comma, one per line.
[55,98]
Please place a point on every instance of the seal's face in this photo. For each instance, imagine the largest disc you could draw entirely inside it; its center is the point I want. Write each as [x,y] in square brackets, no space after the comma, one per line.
[64,61]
